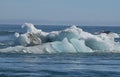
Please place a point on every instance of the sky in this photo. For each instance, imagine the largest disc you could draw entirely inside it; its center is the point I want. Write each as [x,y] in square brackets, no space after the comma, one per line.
[80,12]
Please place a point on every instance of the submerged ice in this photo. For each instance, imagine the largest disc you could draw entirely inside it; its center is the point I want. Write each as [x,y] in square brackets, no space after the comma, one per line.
[70,40]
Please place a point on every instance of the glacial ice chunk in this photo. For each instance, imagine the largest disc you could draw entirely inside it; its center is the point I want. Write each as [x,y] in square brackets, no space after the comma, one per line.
[69,33]
[63,46]
[70,40]
[80,46]
[30,28]
[32,37]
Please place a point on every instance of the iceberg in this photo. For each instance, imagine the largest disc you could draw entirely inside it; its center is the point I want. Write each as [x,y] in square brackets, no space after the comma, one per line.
[70,40]
[80,46]
[72,32]
[63,46]
[33,36]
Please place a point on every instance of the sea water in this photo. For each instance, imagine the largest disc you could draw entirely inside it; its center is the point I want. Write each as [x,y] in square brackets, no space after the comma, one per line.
[97,64]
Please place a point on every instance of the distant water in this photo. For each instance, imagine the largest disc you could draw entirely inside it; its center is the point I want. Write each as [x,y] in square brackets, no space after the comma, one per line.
[57,65]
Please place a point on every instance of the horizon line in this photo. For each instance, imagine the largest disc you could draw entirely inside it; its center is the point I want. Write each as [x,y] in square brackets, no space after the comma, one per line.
[55,22]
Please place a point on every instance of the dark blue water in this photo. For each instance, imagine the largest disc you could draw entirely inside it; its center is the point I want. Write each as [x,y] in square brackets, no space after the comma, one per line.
[60,65]
[48,28]
[57,65]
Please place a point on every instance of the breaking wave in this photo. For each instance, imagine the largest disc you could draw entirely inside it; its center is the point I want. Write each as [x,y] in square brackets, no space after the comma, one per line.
[70,40]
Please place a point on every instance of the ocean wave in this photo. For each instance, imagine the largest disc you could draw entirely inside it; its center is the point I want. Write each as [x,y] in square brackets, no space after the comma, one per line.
[70,40]
[6,32]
